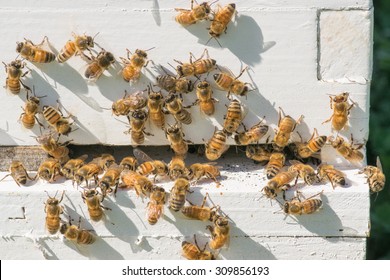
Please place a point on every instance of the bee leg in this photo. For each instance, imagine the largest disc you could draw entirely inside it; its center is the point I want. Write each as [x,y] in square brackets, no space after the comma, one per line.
[26,87]
[328,120]
[242,71]
[5,177]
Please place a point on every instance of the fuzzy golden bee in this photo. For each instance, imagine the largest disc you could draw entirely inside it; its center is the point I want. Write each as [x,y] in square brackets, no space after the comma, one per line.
[279,183]
[150,166]
[57,150]
[198,67]
[175,85]
[311,148]
[79,44]
[35,53]
[208,170]
[97,65]
[53,210]
[133,65]
[174,106]
[72,165]
[55,119]
[258,153]
[200,212]
[177,168]
[175,136]
[305,172]
[141,184]
[104,161]
[286,126]
[375,177]
[178,194]
[15,74]
[30,110]
[341,109]
[275,164]
[195,14]
[231,84]
[87,172]
[220,232]
[110,180]
[233,117]
[155,105]
[251,136]
[93,199]
[48,170]
[193,252]
[156,205]
[18,172]
[128,104]
[129,163]
[77,235]
[298,207]
[137,127]
[334,176]
[205,99]
[216,146]
[348,150]
[221,19]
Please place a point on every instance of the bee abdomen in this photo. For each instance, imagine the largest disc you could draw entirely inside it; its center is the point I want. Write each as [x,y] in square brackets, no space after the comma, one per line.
[85,237]
[317,144]
[184,116]
[272,170]
[13,85]
[67,52]
[176,203]
[42,56]
[96,214]
[376,186]
[138,137]
[52,224]
[312,205]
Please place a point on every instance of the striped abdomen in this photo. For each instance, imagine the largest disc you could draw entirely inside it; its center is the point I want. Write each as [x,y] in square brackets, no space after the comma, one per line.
[317,143]
[67,52]
[42,56]
[85,237]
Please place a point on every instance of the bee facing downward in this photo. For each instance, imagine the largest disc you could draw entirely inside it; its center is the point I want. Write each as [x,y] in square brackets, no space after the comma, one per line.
[14,74]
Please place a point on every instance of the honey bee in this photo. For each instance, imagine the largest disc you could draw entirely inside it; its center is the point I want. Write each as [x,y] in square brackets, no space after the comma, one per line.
[233,117]
[286,126]
[198,67]
[216,146]
[231,84]
[86,172]
[220,232]
[150,166]
[201,212]
[347,150]
[310,148]
[53,210]
[128,104]
[341,108]
[14,76]
[73,47]
[18,173]
[104,161]
[275,164]
[55,149]
[305,172]
[55,118]
[93,199]
[97,65]
[298,207]
[133,65]
[110,179]
[375,177]
[71,166]
[129,163]
[334,176]
[175,107]
[178,194]
[259,153]
[49,169]
[204,98]
[30,110]
[77,235]
[175,137]
[156,205]
[208,170]
[197,13]
[177,168]
[155,106]
[137,126]
[175,85]
[221,20]
[193,252]
[35,53]
[141,184]
[251,136]
[281,182]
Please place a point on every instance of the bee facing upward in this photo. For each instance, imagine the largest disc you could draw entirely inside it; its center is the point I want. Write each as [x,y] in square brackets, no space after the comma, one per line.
[233,117]
[286,126]
[55,119]
[198,67]
[18,173]
[53,210]
[55,149]
[133,65]
[35,53]
[205,99]
[375,177]
[15,74]
[156,205]
[93,199]
[137,126]
[341,108]
[231,84]
[97,65]
[298,207]
[221,20]
[30,110]
[197,13]
[73,47]
[220,232]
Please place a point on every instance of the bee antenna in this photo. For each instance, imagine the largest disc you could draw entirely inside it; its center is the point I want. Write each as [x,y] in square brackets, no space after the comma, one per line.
[150,49]
[93,38]
[105,108]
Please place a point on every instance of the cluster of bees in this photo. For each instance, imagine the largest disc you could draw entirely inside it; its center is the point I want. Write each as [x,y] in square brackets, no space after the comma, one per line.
[133,172]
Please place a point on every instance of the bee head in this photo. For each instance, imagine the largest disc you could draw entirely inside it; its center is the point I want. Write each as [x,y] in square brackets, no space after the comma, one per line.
[141,53]
[90,42]
[179,70]
[203,85]
[19,46]
[64,228]
[286,207]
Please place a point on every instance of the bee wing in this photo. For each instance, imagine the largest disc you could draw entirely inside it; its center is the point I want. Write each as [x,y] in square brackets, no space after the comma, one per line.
[379,164]
[83,157]
[141,156]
